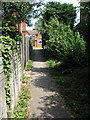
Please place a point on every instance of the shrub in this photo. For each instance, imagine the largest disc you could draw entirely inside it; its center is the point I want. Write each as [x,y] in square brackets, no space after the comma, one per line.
[51,63]
[64,44]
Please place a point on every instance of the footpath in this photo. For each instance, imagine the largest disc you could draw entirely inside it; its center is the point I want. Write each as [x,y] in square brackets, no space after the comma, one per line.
[45,100]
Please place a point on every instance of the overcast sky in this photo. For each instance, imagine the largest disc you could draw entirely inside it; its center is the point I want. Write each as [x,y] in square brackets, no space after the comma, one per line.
[74,2]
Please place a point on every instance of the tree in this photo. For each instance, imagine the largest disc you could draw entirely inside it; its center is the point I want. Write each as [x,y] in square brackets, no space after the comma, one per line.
[65,45]
[15,13]
[84,25]
[65,13]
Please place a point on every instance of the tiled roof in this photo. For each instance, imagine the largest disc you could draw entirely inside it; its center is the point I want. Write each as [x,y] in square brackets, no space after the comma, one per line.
[32,32]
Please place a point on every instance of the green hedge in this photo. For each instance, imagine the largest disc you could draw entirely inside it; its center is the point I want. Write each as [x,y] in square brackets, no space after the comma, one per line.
[65,45]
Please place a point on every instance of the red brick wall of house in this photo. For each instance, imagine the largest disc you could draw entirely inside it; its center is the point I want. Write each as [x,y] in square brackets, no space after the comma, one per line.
[36,38]
[39,37]
[23,25]
[22,28]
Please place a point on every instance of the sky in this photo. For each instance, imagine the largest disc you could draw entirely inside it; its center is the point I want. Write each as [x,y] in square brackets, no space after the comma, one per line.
[74,2]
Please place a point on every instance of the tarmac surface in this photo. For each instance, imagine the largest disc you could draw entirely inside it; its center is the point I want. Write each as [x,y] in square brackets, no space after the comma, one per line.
[45,100]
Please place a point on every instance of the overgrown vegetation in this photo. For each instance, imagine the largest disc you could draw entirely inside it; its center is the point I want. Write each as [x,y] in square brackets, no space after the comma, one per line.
[29,65]
[69,66]
[65,45]
[68,57]
[13,14]
[73,86]
[21,110]
[65,13]
[84,26]
[8,49]
[51,63]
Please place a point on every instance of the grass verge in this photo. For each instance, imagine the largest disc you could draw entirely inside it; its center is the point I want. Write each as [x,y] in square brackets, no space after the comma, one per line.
[21,109]
[73,86]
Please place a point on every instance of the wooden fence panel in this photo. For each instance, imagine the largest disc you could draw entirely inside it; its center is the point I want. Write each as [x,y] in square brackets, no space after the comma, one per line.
[19,62]
[3,107]
[16,75]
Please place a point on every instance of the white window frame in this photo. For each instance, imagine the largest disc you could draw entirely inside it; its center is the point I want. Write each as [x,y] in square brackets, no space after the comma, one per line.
[39,41]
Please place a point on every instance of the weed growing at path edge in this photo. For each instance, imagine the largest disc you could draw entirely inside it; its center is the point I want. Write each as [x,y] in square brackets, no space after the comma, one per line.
[20,110]
[73,86]
[29,65]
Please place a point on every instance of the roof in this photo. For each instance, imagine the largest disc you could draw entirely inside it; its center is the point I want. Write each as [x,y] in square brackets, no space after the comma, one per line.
[32,32]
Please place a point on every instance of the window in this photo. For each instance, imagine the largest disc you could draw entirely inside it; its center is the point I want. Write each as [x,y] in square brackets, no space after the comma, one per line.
[36,34]
[39,41]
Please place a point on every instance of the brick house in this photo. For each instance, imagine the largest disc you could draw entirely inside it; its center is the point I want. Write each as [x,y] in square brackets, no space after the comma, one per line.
[35,35]
[22,28]
[36,38]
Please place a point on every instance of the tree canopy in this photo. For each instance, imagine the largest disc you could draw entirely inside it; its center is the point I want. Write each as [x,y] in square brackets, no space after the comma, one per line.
[84,25]
[15,13]
[65,12]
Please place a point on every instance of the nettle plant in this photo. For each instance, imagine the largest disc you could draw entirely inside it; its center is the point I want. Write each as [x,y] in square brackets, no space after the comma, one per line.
[8,49]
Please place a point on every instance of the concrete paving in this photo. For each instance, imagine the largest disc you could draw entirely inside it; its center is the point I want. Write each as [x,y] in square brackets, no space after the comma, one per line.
[45,101]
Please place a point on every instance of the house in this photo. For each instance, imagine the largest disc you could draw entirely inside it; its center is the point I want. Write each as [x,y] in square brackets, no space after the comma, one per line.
[34,34]
[22,28]
[36,38]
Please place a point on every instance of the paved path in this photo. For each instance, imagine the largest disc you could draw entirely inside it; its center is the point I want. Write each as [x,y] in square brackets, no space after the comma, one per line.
[45,100]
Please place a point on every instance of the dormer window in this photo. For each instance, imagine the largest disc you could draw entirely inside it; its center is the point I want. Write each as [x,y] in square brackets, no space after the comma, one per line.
[36,34]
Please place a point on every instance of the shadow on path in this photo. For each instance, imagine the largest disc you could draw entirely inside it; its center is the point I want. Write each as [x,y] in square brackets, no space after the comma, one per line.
[37,55]
[45,102]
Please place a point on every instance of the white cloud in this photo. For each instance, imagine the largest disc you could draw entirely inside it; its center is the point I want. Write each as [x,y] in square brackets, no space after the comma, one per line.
[33,21]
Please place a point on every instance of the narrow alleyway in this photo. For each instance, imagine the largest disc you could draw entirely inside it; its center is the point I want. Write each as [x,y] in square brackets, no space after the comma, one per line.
[45,101]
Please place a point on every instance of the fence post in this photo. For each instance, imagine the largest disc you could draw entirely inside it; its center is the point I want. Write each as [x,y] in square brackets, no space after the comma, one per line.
[23,57]
[26,50]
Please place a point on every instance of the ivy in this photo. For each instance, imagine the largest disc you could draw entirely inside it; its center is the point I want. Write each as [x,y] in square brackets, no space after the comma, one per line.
[8,49]
[14,13]
[8,46]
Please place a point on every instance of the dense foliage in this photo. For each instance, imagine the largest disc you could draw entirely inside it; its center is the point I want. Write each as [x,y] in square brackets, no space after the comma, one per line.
[20,110]
[64,44]
[8,49]
[15,13]
[69,60]
[84,25]
[65,13]
[73,86]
